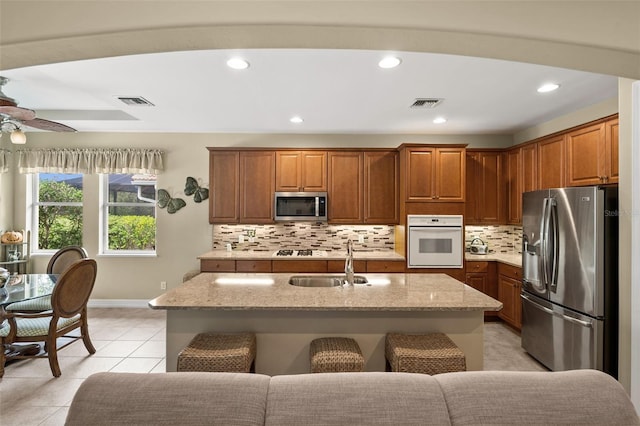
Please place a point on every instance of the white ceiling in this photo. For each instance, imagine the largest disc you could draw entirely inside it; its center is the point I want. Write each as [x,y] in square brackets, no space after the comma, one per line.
[334,91]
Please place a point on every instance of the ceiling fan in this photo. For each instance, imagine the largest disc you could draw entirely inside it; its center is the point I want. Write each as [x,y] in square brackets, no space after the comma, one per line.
[12,117]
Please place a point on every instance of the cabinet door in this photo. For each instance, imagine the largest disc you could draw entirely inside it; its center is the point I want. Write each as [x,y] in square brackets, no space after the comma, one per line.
[611,150]
[514,191]
[450,172]
[551,160]
[345,194]
[381,187]
[224,178]
[257,178]
[473,189]
[420,174]
[314,171]
[288,171]
[585,156]
[529,157]
[301,171]
[507,288]
[477,281]
[490,202]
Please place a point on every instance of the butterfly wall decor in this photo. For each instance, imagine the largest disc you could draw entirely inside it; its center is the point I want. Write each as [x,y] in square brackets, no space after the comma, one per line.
[193,188]
[172,204]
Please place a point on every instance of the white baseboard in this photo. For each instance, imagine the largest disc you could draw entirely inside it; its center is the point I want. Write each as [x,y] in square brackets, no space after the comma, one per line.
[118,303]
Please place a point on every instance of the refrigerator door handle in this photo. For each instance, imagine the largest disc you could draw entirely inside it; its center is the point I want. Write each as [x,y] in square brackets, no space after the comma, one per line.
[555,247]
[544,242]
[552,312]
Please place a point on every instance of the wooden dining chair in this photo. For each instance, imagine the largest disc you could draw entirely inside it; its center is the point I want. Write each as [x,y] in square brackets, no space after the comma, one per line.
[57,264]
[69,312]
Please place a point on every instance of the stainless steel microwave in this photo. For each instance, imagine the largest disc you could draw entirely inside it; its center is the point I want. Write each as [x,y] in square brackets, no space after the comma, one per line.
[300,206]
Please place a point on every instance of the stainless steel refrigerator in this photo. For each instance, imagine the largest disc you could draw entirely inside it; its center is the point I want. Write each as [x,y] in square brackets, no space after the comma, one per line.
[570,278]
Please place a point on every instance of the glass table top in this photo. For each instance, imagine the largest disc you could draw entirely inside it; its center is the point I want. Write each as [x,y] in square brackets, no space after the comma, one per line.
[27,286]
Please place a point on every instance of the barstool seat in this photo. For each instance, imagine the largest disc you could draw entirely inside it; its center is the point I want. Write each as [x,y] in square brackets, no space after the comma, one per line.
[432,353]
[335,355]
[219,353]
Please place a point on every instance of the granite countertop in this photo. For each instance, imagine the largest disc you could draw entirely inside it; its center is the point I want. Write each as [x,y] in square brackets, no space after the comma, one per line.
[268,255]
[513,259]
[271,291]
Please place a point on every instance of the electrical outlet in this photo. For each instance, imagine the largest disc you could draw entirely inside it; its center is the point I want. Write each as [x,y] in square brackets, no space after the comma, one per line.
[163,285]
[361,239]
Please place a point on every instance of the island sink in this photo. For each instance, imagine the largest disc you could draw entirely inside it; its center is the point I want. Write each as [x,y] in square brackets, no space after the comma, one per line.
[323,280]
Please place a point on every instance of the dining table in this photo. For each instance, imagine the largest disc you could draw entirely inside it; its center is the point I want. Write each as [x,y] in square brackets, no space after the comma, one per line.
[18,288]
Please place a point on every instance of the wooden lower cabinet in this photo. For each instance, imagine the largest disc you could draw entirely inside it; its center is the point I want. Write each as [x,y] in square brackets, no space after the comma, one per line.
[509,286]
[299,266]
[385,266]
[483,277]
[337,266]
[213,265]
[253,266]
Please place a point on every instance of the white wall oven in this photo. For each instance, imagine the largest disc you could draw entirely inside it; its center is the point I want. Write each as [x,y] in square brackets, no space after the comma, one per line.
[435,241]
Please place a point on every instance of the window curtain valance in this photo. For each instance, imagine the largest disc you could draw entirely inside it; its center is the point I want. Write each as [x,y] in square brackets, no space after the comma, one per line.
[4,160]
[88,161]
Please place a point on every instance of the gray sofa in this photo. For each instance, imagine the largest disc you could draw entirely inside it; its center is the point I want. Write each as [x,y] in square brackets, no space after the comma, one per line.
[583,397]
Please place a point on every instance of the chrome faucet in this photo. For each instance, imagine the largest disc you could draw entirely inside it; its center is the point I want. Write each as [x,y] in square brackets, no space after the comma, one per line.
[348,264]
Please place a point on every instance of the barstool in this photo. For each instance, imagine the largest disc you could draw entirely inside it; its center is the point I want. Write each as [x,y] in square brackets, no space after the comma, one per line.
[432,353]
[219,353]
[335,355]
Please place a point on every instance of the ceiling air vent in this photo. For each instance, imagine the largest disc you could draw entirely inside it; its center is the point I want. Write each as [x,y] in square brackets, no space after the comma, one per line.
[426,103]
[135,101]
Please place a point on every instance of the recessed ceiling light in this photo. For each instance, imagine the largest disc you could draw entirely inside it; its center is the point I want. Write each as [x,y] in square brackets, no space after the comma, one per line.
[549,87]
[389,62]
[439,120]
[237,64]
[296,119]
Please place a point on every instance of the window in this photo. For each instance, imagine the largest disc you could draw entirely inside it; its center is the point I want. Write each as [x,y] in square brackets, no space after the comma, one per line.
[57,210]
[128,214]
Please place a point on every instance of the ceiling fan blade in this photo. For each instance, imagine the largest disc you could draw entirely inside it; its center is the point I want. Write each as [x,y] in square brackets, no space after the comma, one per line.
[52,126]
[17,113]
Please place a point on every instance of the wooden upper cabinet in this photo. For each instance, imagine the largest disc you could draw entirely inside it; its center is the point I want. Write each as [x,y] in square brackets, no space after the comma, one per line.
[473,195]
[301,171]
[514,186]
[586,157]
[484,186]
[345,192]
[224,179]
[381,172]
[257,185]
[551,162]
[529,161]
[435,174]
[611,150]
[420,174]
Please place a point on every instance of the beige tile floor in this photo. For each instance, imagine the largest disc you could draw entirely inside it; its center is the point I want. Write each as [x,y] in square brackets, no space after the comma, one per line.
[133,340]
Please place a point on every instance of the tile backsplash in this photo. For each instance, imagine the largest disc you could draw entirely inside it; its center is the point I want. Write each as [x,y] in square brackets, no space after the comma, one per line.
[303,235]
[321,236]
[500,238]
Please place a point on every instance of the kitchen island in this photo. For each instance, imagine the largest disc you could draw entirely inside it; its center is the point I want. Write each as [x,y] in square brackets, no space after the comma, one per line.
[286,318]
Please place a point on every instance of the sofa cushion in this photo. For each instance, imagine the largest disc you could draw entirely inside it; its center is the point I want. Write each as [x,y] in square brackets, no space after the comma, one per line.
[372,398]
[170,399]
[578,397]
